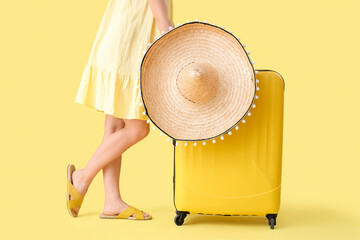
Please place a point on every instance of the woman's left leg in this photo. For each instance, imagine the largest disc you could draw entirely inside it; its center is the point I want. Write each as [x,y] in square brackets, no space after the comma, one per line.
[111,173]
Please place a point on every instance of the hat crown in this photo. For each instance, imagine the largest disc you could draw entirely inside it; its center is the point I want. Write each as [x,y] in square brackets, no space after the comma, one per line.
[197,73]
[198,82]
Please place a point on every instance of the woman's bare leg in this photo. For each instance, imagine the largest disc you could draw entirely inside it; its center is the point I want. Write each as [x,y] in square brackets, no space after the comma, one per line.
[111,173]
[111,148]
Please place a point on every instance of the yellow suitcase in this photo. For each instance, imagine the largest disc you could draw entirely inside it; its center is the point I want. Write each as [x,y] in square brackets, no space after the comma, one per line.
[240,175]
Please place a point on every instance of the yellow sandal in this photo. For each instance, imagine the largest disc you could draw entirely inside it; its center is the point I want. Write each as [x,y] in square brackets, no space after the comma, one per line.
[76,196]
[126,214]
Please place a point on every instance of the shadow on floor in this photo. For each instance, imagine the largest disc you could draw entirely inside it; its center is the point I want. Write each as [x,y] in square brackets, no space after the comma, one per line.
[290,215]
[87,214]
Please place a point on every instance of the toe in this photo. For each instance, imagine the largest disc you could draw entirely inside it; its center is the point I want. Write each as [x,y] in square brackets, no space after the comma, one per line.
[144,213]
[75,210]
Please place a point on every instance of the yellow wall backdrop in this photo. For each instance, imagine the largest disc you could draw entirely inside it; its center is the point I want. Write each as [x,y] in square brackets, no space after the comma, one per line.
[44,47]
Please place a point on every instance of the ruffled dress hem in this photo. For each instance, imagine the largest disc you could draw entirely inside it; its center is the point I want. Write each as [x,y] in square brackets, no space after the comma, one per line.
[111,92]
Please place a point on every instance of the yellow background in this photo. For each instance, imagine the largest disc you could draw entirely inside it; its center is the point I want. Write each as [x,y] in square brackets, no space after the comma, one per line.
[44,47]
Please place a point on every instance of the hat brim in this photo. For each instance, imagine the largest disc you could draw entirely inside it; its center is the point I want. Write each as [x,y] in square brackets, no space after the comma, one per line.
[175,115]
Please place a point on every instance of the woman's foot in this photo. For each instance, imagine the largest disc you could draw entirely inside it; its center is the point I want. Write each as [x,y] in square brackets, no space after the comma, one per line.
[116,207]
[80,183]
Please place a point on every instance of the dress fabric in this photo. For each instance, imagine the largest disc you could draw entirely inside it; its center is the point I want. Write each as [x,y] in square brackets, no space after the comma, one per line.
[110,79]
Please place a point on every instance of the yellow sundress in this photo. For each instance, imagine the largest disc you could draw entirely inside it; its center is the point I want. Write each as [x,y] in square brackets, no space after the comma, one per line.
[110,77]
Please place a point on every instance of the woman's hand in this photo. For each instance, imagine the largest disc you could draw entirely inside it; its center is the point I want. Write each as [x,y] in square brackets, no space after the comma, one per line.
[159,9]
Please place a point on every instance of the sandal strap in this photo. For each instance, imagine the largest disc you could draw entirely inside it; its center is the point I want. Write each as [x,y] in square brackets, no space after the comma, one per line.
[130,211]
[74,193]
[138,214]
[72,203]
[76,196]
[126,213]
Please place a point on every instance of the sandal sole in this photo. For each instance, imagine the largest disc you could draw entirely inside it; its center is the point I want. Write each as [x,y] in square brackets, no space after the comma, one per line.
[114,217]
[70,169]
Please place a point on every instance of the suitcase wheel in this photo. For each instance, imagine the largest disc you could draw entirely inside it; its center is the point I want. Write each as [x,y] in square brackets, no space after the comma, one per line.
[180,217]
[272,220]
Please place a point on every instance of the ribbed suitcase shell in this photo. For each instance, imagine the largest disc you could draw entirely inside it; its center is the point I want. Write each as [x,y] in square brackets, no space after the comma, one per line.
[240,175]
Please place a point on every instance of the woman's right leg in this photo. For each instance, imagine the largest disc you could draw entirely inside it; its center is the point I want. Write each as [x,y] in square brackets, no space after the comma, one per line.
[109,150]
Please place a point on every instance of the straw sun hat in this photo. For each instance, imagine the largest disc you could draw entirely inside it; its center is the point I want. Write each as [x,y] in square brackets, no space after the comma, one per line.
[197,82]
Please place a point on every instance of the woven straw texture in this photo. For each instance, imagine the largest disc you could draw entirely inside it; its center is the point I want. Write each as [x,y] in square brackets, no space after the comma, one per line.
[175,114]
